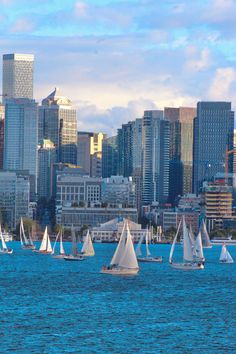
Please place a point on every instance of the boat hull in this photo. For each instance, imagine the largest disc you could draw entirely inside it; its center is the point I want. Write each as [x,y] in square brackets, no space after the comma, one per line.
[74,258]
[226,262]
[119,271]
[42,252]
[8,251]
[150,259]
[59,256]
[187,266]
[30,247]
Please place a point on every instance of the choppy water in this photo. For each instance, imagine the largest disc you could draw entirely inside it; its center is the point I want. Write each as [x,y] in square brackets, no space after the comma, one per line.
[53,306]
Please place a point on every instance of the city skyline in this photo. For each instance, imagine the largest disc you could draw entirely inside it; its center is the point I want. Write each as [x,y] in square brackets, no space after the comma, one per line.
[172,54]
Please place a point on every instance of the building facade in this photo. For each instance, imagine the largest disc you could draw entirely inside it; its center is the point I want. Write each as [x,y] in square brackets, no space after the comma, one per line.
[17,76]
[2,119]
[213,134]
[119,190]
[109,157]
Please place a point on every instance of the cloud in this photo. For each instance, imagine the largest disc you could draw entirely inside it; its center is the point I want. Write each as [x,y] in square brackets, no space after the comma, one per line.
[22,25]
[200,63]
[220,88]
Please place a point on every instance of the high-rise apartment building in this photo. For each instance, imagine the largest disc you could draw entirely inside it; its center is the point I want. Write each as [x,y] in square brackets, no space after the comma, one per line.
[155,158]
[17,76]
[58,123]
[213,134]
[181,146]
[21,138]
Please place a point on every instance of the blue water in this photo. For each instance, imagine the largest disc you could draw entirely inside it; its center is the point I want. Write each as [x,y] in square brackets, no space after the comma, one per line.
[54,306]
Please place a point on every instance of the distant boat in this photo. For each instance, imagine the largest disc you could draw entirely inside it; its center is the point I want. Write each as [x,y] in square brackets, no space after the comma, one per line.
[26,244]
[206,243]
[225,256]
[148,257]
[45,247]
[190,262]
[74,256]
[227,241]
[124,261]
[4,249]
[61,253]
[87,249]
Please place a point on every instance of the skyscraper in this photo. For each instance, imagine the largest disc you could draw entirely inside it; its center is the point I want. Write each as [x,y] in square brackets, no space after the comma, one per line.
[109,157]
[21,138]
[213,134]
[2,119]
[155,157]
[17,76]
[58,123]
[181,146]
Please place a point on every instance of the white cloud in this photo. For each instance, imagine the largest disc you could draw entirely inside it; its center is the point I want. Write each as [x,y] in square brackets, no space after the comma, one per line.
[22,25]
[220,88]
[200,63]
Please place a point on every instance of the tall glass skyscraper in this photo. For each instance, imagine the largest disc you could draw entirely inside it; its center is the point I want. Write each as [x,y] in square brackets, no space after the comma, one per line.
[58,123]
[17,76]
[213,134]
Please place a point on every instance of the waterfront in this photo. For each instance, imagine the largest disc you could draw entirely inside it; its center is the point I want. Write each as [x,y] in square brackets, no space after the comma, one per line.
[52,306]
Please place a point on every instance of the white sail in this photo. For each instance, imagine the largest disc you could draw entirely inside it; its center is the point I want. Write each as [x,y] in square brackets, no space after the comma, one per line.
[30,240]
[187,244]
[87,248]
[120,247]
[197,248]
[205,236]
[23,238]
[4,246]
[225,255]
[55,243]
[62,251]
[147,248]
[191,235]
[174,242]
[128,259]
[49,246]
[43,246]
[138,248]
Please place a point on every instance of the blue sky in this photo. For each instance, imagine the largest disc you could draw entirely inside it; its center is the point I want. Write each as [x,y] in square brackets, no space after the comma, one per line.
[116,58]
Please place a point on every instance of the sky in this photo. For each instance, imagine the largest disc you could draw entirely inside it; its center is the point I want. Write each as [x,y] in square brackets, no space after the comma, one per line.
[115,59]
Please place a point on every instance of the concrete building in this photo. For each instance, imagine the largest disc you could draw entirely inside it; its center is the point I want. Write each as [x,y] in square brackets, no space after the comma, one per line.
[213,134]
[173,218]
[14,197]
[181,146]
[119,190]
[80,216]
[155,158]
[109,157]
[17,76]
[111,231]
[2,119]
[21,138]
[46,158]
[58,123]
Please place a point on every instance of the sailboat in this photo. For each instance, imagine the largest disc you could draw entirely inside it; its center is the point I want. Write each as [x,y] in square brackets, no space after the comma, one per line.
[61,253]
[225,256]
[148,257]
[198,249]
[124,261]
[87,249]
[74,256]
[26,244]
[206,243]
[190,262]
[45,247]
[4,249]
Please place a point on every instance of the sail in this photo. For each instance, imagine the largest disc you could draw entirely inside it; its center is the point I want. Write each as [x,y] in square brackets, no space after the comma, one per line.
[174,242]
[138,248]
[54,246]
[4,246]
[197,248]
[87,248]
[128,259]
[205,237]
[23,238]
[74,243]
[30,240]
[120,247]
[191,235]
[43,246]
[147,248]
[187,244]
[61,245]
[49,246]
[225,255]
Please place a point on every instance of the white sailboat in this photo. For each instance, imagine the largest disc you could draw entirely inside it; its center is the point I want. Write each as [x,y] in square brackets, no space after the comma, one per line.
[74,256]
[189,263]
[45,247]
[61,253]
[124,261]
[87,249]
[206,243]
[4,249]
[198,249]
[148,257]
[26,244]
[225,256]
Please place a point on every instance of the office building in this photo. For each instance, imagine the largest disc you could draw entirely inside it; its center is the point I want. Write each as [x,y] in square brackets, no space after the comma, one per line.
[2,118]
[155,158]
[17,76]
[119,190]
[109,157]
[58,123]
[181,147]
[213,134]
[21,137]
